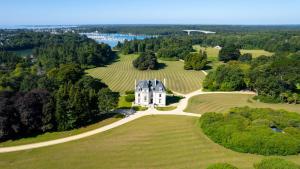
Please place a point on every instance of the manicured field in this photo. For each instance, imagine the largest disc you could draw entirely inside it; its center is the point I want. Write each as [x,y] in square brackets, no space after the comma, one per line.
[223,102]
[213,52]
[120,76]
[152,142]
[257,52]
[57,135]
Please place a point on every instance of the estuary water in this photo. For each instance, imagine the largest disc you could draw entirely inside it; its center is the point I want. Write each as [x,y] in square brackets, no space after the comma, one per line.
[112,39]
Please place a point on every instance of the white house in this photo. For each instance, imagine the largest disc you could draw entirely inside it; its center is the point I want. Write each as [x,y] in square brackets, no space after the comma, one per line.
[150,93]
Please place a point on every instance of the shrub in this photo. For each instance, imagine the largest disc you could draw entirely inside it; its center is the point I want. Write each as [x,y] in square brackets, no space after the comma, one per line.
[129,92]
[130,98]
[276,163]
[221,166]
[195,61]
[247,57]
[255,131]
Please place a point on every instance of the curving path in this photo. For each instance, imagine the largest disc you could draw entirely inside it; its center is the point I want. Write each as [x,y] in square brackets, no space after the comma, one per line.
[178,111]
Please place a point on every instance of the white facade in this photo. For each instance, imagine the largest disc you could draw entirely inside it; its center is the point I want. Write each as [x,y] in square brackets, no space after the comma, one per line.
[150,92]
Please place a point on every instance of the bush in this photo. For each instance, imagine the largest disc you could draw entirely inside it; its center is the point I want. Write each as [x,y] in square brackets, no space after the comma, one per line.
[229,52]
[129,92]
[257,131]
[146,60]
[195,61]
[221,166]
[276,163]
[247,57]
[130,98]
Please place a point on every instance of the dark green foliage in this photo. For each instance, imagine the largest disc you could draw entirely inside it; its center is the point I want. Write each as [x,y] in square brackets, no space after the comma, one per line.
[84,53]
[107,100]
[145,61]
[88,82]
[66,73]
[130,98]
[247,57]
[250,130]
[8,60]
[25,114]
[195,61]
[229,52]
[228,77]
[36,111]
[9,117]
[78,105]
[167,48]
[221,166]
[129,92]
[275,78]
[276,163]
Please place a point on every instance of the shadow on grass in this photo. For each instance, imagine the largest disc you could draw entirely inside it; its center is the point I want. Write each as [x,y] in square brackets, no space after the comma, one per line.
[97,119]
[160,66]
[173,99]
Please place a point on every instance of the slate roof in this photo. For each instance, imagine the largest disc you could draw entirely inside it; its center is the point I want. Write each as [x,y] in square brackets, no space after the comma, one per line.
[150,84]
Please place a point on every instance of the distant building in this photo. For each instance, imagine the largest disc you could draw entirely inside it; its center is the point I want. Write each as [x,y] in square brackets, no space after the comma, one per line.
[218,47]
[150,93]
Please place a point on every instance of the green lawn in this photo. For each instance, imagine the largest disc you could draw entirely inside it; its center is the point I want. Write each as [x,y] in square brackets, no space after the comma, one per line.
[120,75]
[213,52]
[123,103]
[223,102]
[256,52]
[57,135]
[168,108]
[152,142]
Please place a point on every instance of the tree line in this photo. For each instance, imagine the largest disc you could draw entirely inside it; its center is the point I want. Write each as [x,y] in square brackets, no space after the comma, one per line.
[275,78]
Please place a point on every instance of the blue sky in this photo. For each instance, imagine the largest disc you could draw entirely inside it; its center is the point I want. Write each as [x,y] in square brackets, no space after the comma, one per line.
[24,12]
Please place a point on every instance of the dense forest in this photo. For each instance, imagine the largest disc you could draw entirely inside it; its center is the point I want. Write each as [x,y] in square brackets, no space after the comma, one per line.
[49,91]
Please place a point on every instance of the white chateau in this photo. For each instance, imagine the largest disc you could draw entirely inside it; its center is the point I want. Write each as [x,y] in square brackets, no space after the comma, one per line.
[150,93]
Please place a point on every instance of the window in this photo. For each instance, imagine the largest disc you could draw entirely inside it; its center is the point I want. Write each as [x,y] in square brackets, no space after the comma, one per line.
[145,98]
[139,94]
[159,95]
[159,101]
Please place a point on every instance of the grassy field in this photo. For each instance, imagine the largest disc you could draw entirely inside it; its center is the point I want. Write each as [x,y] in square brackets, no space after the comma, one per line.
[256,52]
[57,135]
[123,103]
[120,75]
[168,108]
[212,54]
[223,102]
[152,142]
